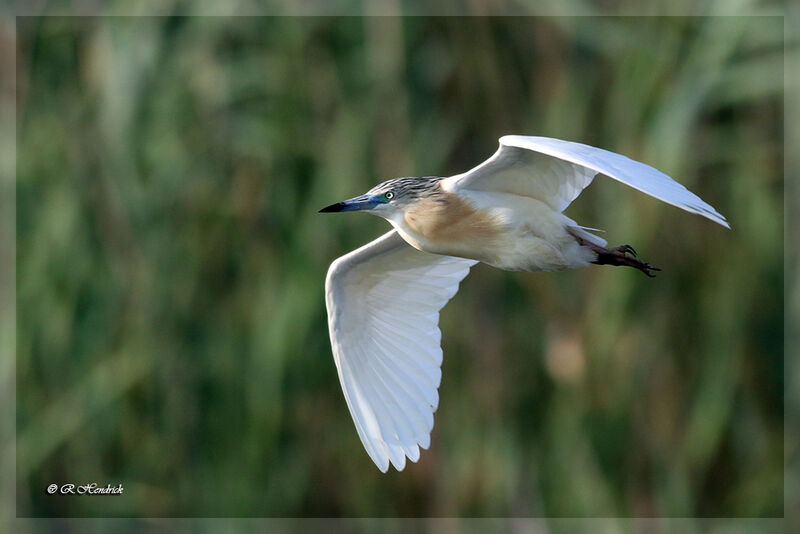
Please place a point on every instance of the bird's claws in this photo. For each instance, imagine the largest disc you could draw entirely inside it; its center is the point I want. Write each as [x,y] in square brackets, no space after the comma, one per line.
[626,249]
[626,255]
[646,268]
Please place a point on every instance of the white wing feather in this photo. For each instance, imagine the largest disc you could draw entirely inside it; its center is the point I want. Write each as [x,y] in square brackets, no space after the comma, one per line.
[556,171]
[383,304]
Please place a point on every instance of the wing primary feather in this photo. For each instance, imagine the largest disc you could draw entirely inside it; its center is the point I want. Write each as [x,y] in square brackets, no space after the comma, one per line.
[381,401]
[383,303]
[418,397]
[420,363]
[429,374]
[374,446]
[401,401]
[386,423]
[414,409]
[431,355]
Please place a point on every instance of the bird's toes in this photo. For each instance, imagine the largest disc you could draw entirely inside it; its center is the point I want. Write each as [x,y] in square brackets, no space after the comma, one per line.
[627,249]
[647,269]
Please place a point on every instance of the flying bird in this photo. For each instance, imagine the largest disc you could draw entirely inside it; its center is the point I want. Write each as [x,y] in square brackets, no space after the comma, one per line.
[384,298]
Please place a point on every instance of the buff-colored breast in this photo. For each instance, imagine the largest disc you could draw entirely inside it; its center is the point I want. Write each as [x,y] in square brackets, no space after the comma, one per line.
[447,224]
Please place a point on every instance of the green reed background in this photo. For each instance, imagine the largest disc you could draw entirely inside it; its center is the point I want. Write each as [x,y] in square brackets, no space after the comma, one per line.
[172,332]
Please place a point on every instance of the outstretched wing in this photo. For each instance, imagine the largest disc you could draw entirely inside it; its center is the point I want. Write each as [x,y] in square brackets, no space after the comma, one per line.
[556,171]
[383,304]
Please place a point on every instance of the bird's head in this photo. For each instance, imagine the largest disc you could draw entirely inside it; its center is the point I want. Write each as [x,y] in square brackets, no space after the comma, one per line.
[391,198]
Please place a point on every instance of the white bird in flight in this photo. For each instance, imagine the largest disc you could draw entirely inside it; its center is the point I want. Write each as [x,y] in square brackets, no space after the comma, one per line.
[384,298]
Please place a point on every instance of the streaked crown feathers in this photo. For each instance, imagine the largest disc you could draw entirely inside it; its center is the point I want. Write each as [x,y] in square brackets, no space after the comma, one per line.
[409,188]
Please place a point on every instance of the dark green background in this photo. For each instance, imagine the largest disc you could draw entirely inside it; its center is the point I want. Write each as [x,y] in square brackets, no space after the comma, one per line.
[172,333]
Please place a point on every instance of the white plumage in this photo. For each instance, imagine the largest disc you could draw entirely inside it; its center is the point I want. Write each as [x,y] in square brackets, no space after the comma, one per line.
[384,298]
[383,311]
[556,171]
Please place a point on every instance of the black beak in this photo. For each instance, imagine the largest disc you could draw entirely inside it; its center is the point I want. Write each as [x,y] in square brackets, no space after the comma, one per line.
[333,208]
[364,202]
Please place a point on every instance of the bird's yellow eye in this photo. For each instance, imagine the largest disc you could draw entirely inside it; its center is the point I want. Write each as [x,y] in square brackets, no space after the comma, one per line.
[389,195]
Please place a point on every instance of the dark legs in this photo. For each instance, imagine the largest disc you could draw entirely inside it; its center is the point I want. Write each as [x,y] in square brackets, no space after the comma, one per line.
[621,255]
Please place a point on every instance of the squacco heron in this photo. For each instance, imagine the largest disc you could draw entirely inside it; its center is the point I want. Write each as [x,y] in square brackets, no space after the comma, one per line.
[384,298]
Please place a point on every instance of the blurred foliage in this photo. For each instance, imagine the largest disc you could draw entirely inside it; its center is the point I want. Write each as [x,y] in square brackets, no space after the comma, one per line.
[172,333]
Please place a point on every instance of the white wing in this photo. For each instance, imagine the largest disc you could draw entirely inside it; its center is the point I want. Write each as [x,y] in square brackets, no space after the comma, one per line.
[556,171]
[383,304]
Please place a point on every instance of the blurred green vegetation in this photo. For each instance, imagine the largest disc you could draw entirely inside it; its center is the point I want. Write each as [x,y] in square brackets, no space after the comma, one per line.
[171,324]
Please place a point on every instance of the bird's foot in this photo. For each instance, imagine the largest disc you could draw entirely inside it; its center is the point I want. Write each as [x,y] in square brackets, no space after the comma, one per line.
[645,267]
[625,249]
[623,255]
